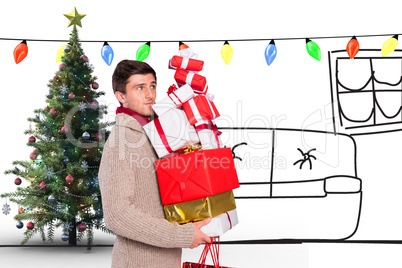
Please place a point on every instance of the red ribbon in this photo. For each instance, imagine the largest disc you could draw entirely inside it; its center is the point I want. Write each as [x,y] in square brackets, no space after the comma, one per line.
[212,247]
[212,127]
[171,89]
[230,222]
[161,133]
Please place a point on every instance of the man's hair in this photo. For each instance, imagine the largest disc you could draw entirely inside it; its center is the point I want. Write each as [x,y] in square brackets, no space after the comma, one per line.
[127,68]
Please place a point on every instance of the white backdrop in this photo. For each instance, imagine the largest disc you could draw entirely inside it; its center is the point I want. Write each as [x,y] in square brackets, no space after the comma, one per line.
[293,92]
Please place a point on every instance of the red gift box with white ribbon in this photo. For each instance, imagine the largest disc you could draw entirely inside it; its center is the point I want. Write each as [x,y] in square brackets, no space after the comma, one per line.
[199,108]
[186,63]
[197,82]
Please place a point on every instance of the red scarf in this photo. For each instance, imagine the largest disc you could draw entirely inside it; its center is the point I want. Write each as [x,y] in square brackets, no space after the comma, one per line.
[140,118]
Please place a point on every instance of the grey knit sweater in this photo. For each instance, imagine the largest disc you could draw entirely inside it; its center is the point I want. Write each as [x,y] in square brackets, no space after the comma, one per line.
[131,202]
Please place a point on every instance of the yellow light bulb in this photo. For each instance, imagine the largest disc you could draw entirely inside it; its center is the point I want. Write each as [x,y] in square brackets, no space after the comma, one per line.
[389,45]
[227,52]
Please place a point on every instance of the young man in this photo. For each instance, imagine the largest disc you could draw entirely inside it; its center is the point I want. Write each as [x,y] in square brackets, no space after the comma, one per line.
[130,194]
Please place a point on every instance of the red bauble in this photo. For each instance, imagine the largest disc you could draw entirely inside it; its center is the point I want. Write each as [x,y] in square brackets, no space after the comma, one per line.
[17,181]
[98,137]
[32,139]
[62,66]
[21,210]
[53,111]
[84,58]
[69,179]
[71,96]
[56,78]
[30,225]
[33,156]
[95,85]
[46,108]
[82,226]
[65,129]
[42,185]
[95,104]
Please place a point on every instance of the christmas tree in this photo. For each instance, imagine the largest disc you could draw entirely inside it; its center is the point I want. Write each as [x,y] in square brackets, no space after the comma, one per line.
[67,140]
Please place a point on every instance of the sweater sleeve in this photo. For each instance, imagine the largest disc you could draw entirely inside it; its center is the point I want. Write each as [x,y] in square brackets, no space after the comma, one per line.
[116,179]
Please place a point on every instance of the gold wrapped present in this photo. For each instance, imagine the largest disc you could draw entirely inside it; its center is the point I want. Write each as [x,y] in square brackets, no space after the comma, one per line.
[200,209]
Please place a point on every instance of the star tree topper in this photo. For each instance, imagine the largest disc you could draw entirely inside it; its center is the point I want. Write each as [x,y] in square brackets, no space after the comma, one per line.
[74,18]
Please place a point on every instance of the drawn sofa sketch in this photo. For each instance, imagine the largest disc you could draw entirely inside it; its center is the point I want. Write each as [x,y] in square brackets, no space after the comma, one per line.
[366,91]
[294,184]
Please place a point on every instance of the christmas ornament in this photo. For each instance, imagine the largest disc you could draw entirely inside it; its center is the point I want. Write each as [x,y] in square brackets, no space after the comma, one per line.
[86,135]
[42,185]
[63,89]
[17,181]
[389,45]
[56,78]
[67,48]
[95,104]
[74,18]
[51,199]
[64,237]
[82,226]
[20,51]
[98,137]
[107,53]
[69,179]
[182,46]
[60,53]
[6,209]
[95,85]
[62,66]
[30,225]
[32,139]
[16,170]
[226,52]
[33,156]
[143,51]
[36,117]
[313,49]
[65,129]
[46,108]
[49,96]
[19,225]
[21,210]
[270,52]
[71,96]
[84,58]
[66,160]
[352,47]
[53,112]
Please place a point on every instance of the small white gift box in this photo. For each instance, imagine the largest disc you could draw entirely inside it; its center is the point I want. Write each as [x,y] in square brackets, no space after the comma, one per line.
[221,224]
[208,134]
[171,132]
[174,99]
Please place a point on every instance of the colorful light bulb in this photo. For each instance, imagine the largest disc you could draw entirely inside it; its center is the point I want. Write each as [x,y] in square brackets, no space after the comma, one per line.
[182,46]
[270,52]
[20,51]
[107,53]
[352,47]
[313,49]
[60,53]
[389,45]
[227,52]
[143,51]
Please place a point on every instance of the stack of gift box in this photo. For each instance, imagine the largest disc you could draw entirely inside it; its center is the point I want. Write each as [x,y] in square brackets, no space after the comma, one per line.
[196,173]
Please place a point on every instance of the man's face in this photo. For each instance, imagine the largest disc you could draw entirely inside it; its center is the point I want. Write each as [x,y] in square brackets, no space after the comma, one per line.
[140,94]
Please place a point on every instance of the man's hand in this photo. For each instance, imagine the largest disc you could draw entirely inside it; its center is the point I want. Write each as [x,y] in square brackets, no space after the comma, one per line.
[199,236]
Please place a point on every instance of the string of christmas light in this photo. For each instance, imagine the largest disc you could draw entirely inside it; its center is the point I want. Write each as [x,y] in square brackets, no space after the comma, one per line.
[143,51]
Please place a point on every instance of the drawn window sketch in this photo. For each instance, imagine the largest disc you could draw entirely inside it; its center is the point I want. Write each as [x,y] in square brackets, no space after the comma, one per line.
[294,184]
[366,92]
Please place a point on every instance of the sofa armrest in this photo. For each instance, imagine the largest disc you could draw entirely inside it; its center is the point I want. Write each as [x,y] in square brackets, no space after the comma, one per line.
[342,184]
